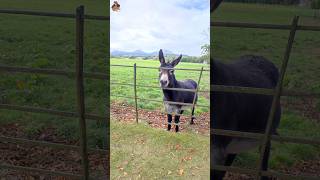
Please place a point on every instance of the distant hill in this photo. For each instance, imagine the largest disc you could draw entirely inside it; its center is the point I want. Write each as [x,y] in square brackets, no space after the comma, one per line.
[140,53]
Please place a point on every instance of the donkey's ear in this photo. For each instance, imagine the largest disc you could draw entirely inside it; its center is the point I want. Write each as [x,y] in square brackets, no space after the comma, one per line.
[176,61]
[161,57]
[214,4]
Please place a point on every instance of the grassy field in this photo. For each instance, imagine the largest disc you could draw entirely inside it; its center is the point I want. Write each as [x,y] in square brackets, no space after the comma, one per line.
[149,77]
[141,152]
[288,154]
[304,67]
[49,42]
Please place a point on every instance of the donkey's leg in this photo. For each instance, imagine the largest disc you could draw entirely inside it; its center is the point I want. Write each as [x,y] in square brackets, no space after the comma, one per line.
[176,121]
[169,121]
[219,156]
[265,160]
[219,175]
[192,118]
[216,175]
[230,159]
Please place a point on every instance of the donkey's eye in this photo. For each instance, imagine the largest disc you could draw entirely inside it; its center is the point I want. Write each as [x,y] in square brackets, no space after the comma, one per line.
[171,71]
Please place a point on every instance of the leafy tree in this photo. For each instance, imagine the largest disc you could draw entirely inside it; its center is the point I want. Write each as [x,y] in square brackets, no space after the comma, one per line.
[205,53]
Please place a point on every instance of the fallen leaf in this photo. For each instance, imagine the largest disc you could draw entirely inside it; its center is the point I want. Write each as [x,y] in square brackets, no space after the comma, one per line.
[178,147]
[120,168]
[180,172]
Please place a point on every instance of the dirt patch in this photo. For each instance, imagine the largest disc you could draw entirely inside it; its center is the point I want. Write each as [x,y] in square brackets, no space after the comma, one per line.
[303,168]
[43,157]
[233,176]
[307,168]
[307,107]
[158,119]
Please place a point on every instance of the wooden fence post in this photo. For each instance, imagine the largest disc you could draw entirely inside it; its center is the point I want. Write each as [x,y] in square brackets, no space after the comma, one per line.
[80,89]
[196,93]
[135,90]
[277,94]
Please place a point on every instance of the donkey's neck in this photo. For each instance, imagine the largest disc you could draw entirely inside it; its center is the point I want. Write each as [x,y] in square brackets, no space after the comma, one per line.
[171,94]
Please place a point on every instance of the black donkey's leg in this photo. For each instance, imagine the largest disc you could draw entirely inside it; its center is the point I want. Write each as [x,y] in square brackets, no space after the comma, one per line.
[176,121]
[219,175]
[265,160]
[192,118]
[169,121]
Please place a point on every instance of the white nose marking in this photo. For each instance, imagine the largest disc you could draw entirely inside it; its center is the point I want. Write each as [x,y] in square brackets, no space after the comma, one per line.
[164,77]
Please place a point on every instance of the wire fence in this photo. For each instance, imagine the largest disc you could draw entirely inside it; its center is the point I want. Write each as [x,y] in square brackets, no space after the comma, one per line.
[79,76]
[276,93]
[135,85]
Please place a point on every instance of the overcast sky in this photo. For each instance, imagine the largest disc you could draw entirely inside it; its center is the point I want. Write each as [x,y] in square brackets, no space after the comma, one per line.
[181,26]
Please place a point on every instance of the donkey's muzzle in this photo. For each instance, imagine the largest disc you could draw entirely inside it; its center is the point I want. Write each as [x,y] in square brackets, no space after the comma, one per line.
[163,83]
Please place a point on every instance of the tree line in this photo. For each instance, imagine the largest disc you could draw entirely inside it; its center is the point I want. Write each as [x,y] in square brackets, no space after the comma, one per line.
[204,58]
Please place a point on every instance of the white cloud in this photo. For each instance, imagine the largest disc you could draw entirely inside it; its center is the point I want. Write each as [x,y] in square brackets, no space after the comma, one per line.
[150,25]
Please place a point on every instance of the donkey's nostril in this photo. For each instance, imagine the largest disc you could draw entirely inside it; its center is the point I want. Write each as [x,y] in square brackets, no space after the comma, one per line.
[163,82]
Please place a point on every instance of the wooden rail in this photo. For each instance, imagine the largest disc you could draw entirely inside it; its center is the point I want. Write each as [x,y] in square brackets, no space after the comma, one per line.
[51,14]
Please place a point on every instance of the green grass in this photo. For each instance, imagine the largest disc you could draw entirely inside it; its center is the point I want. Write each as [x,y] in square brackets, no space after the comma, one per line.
[286,154]
[149,77]
[263,13]
[304,66]
[49,42]
[137,150]
[97,7]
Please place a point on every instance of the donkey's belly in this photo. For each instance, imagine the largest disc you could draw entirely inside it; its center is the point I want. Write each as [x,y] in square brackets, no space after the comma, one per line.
[174,109]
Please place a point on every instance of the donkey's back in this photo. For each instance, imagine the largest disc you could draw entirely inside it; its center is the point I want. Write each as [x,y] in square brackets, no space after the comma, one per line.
[246,112]
[186,96]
